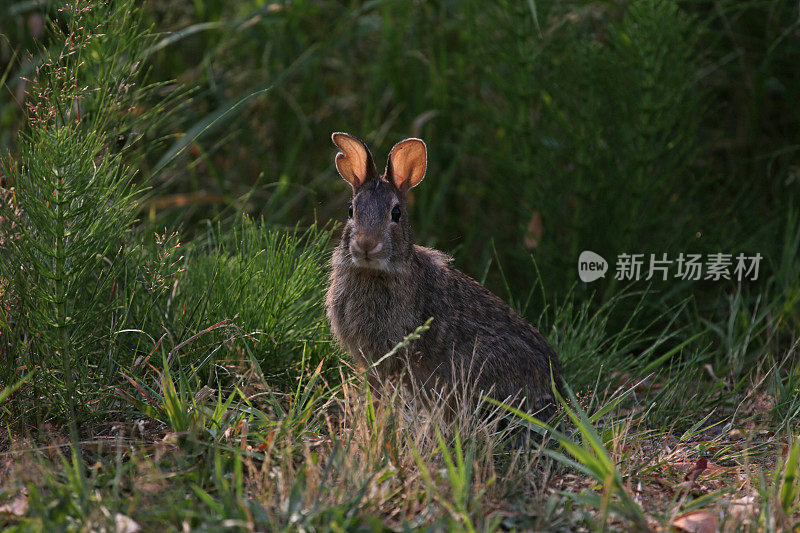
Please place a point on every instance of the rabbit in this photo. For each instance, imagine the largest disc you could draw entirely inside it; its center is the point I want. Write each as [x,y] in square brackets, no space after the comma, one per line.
[383,286]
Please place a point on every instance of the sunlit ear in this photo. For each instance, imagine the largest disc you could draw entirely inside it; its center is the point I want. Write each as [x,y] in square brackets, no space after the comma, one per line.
[407,163]
[354,162]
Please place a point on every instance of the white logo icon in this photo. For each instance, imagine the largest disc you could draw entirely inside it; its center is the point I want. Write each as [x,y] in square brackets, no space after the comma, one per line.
[591,266]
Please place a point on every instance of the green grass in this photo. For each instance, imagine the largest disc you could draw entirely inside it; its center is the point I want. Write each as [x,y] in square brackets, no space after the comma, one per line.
[164,355]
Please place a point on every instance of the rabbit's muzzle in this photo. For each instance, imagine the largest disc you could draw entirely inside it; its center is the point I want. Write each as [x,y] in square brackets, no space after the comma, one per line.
[369,251]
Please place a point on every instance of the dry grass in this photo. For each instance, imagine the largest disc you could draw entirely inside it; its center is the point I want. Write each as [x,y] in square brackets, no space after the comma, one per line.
[337,455]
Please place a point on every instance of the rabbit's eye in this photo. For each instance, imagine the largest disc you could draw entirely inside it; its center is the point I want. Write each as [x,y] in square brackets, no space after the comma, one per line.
[350,211]
[396,213]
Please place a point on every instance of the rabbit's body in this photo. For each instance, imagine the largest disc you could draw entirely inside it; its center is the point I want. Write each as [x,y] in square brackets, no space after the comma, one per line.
[374,301]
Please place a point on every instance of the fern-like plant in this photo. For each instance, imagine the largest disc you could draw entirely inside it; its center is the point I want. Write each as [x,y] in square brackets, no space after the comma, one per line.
[69,199]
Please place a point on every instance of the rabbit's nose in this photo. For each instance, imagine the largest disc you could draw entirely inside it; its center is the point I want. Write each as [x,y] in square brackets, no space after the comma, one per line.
[367,246]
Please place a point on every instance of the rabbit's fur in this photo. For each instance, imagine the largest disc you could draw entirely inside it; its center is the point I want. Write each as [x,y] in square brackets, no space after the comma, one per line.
[383,286]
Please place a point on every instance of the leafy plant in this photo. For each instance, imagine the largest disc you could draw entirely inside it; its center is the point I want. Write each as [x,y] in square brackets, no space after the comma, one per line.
[71,202]
[263,283]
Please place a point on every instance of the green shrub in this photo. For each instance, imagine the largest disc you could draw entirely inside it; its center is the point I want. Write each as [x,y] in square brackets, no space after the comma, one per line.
[70,203]
[265,284]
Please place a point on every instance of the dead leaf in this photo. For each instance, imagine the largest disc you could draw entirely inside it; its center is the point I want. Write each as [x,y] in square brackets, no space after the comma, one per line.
[690,479]
[125,524]
[18,506]
[535,231]
[700,521]
[710,370]
[741,510]
[698,468]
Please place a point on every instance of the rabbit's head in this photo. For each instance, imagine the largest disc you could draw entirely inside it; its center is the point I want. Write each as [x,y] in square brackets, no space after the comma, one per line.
[377,235]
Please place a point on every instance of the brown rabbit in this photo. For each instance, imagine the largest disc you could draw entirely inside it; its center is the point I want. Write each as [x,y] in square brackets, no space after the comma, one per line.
[383,286]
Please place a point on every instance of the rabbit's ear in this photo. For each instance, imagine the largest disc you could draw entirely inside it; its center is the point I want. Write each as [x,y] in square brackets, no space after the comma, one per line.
[354,162]
[407,163]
